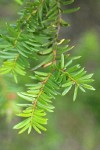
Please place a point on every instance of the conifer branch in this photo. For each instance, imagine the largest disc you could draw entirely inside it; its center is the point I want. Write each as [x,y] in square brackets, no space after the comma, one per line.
[36,33]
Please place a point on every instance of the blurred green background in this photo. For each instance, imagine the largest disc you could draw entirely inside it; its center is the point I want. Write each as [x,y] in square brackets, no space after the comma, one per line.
[73,125]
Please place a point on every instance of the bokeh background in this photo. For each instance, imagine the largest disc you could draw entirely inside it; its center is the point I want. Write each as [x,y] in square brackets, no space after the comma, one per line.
[73,125]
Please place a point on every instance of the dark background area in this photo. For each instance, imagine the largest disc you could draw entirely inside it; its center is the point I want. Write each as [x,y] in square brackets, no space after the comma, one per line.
[73,125]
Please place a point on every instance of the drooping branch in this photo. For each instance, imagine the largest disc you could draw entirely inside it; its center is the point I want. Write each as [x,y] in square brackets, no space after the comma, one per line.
[36,36]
